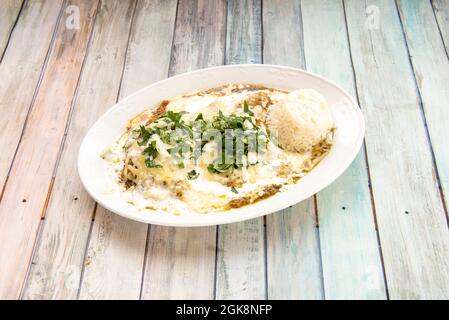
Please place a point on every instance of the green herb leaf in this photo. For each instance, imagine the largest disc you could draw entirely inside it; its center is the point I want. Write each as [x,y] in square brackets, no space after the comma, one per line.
[144,135]
[192,175]
[246,108]
[151,150]
[234,190]
[220,168]
[151,164]
[175,116]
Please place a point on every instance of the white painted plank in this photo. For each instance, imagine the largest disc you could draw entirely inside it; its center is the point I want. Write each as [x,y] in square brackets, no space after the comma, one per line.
[282,33]
[241,253]
[431,68]
[56,269]
[113,266]
[409,210]
[181,261]
[293,256]
[148,57]
[115,257]
[20,72]
[9,10]
[351,262]
[25,195]
[441,9]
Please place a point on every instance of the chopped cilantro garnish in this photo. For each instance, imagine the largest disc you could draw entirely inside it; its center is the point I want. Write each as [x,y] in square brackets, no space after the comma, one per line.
[192,175]
[246,108]
[151,152]
[144,135]
[185,140]
[151,164]
[234,190]
[175,116]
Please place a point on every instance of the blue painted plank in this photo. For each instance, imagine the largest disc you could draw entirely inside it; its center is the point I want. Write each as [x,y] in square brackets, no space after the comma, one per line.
[410,214]
[352,267]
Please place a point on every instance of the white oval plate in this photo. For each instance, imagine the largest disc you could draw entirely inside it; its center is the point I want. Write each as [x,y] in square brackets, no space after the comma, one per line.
[347,142]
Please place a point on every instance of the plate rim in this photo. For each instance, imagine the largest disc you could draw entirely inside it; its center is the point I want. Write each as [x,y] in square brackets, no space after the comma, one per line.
[221,217]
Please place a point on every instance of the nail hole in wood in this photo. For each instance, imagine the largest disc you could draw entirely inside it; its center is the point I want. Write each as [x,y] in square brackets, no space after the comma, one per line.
[24,200]
[406,212]
[343,208]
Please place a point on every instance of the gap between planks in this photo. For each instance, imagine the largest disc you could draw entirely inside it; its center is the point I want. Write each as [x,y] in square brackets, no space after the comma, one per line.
[68,44]
[70,222]
[118,232]
[419,91]
[413,245]
[17,10]
[4,179]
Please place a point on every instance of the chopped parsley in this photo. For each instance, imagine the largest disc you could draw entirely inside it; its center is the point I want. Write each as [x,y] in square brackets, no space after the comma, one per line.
[239,135]
[234,190]
[246,108]
[192,175]
[175,116]
[151,153]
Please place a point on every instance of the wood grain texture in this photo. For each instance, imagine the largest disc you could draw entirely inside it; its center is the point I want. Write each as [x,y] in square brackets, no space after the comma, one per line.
[350,256]
[20,72]
[22,206]
[409,210]
[181,261]
[113,266]
[200,35]
[441,10]
[56,268]
[431,68]
[293,256]
[137,35]
[293,261]
[115,257]
[241,246]
[244,32]
[279,18]
[151,40]
[9,10]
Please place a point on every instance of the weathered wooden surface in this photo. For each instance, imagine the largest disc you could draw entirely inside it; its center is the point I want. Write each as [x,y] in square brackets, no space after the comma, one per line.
[116,253]
[383,229]
[9,12]
[25,195]
[58,261]
[21,71]
[410,214]
[441,10]
[431,70]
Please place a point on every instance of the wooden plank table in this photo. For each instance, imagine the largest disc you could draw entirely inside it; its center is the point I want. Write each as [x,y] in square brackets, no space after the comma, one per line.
[379,232]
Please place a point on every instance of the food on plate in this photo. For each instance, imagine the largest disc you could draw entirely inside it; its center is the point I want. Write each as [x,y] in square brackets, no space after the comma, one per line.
[220,148]
[302,119]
